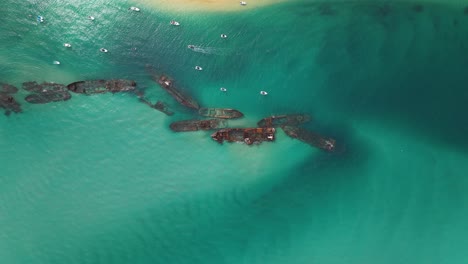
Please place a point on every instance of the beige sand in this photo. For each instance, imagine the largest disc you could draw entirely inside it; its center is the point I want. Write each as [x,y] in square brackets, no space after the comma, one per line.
[205,5]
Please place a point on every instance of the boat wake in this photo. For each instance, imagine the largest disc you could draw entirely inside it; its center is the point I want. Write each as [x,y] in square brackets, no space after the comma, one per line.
[209,50]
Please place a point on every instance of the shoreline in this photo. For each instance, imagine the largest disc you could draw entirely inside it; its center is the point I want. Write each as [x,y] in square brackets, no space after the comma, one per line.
[205,5]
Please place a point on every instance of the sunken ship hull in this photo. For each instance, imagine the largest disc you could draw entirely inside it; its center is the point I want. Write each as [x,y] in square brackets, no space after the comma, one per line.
[309,137]
[9,103]
[284,120]
[220,113]
[246,135]
[48,97]
[195,125]
[167,84]
[8,88]
[102,86]
[43,87]
[160,106]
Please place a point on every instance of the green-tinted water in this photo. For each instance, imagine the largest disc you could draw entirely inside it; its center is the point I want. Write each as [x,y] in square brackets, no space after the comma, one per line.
[102,179]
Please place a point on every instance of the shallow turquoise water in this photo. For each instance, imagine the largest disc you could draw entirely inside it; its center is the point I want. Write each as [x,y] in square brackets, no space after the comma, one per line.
[102,179]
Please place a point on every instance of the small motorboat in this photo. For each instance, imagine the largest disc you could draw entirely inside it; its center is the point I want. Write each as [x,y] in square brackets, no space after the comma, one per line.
[40,19]
[175,23]
[56,62]
[91,18]
[191,46]
[222,89]
[243,3]
[68,45]
[223,36]
[103,50]
[263,93]
[133,8]
[198,68]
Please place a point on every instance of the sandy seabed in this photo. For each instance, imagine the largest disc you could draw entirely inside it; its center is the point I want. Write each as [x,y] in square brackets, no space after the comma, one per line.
[206,5]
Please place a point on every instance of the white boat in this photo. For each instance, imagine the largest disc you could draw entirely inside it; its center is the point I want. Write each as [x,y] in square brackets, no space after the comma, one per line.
[263,93]
[175,23]
[91,18]
[191,46]
[222,89]
[198,68]
[133,8]
[223,36]
[243,3]
[68,45]
[103,50]
[40,19]
[56,62]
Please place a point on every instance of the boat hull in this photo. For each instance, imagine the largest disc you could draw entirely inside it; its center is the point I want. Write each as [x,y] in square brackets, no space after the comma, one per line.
[246,135]
[284,120]
[309,137]
[48,97]
[195,125]
[9,104]
[167,84]
[102,86]
[220,113]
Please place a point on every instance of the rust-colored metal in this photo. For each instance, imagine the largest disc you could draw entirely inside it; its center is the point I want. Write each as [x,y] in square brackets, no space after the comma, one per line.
[226,113]
[194,125]
[309,137]
[102,86]
[246,135]
[284,120]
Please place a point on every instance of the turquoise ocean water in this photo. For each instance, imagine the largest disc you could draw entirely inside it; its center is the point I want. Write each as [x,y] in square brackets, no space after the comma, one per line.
[102,179]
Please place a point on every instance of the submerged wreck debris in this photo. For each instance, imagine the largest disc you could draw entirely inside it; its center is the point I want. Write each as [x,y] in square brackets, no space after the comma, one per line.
[247,135]
[167,84]
[220,112]
[43,87]
[159,105]
[47,97]
[417,8]
[8,88]
[9,103]
[284,120]
[309,137]
[194,125]
[102,86]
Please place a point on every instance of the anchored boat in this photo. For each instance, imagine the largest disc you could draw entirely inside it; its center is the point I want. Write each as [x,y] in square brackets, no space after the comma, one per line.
[102,86]
[309,137]
[194,125]
[246,135]
[220,112]
[284,120]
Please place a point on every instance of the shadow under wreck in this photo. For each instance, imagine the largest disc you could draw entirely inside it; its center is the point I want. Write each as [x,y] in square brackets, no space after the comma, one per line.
[102,86]
[284,120]
[220,112]
[309,137]
[195,125]
[246,135]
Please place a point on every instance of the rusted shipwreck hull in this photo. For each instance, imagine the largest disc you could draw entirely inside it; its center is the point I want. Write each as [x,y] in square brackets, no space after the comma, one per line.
[8,88]
[9,103]
[220,112]
[102,86]
[194,125]
[43,87]
[160,106]
[309,137]
[284,120]
[48,97]
[247,135]
[168,84]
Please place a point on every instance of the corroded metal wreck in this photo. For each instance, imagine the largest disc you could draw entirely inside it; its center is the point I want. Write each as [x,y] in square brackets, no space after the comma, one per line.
[194,125]
[168,84]
[309,137]
[284,120]
[160,106]
[47,97]
[43,87]
[220,112]
[8,88]
[102,86]
[9,103]
[246,135]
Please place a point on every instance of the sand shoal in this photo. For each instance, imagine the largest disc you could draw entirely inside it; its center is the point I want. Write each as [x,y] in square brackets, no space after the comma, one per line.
[205,5]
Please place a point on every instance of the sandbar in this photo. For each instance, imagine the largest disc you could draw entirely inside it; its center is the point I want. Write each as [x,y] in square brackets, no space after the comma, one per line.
[205,5]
